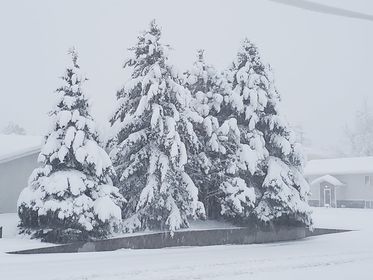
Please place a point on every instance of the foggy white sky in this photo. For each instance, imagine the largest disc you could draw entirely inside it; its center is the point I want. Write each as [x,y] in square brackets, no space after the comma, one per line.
[322,63]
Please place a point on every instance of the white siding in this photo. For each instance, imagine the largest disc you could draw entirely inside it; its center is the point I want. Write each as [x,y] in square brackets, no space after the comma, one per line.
[315,189]
[14,175]
[355,188]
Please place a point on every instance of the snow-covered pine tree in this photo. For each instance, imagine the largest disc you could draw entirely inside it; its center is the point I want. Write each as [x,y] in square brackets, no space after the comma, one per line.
[71,196]
[247,152]
[153,130]
[207,166]
[284,191]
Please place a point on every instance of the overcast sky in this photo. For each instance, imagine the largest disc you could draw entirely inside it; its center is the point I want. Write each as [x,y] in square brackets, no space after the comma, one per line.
[322,63]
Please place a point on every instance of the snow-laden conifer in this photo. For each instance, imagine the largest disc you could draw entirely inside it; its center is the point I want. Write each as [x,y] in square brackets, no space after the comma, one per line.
[153,130]
[71,197]
[208,166]
[284,191]
[247,152]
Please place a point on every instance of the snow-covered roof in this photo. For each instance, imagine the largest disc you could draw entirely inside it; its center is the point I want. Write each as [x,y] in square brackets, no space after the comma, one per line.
[339,166]
[328,179]
[15,146]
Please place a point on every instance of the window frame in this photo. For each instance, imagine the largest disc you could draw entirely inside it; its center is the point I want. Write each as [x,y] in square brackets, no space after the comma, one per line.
[368,180]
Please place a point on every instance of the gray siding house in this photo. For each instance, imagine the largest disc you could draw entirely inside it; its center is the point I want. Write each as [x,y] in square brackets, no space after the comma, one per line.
[18,158]
[341,182]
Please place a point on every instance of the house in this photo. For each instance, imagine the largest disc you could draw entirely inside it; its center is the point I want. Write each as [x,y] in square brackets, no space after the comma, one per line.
[18,158]
[341,182]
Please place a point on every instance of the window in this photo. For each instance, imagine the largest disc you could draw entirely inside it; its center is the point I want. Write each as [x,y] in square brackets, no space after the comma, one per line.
[368,180]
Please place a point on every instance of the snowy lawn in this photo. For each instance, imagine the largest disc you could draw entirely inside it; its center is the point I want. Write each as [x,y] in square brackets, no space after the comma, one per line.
[337,256]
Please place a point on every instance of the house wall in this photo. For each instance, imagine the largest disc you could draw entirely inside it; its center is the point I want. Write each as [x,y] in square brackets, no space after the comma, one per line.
[356,188]
[354,194]
[14,176]
[314,199]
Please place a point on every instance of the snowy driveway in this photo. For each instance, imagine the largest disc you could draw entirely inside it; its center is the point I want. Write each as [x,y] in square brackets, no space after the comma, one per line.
[344,256]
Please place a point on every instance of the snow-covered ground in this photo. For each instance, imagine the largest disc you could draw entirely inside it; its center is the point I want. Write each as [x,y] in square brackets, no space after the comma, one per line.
[336,256]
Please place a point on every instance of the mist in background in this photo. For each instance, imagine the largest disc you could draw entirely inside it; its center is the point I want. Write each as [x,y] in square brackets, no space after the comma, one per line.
[322,63]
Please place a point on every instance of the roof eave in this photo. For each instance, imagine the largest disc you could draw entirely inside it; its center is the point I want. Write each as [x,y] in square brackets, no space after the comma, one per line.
[15,156]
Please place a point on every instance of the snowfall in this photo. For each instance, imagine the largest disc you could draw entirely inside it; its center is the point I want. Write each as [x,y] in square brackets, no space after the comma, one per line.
[347,255]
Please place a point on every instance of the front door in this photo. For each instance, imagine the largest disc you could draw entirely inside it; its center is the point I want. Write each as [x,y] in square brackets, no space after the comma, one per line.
[327,197]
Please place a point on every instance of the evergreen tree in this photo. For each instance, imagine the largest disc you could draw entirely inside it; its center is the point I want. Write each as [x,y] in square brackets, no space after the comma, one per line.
[284,189]
[207,166]
[246,153]
[153,131]
[71,196]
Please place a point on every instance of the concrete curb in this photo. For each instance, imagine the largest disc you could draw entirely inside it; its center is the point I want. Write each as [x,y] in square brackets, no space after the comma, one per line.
[185,238]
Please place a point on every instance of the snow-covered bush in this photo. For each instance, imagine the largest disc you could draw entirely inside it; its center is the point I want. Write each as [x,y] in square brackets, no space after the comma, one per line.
[71,196]
[153,130]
